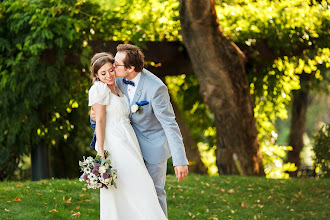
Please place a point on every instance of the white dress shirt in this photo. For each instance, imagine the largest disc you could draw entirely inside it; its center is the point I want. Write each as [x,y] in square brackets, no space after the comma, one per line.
[131,89]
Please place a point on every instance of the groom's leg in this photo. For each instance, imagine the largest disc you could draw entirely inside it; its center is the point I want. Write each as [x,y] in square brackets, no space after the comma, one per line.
[158,175]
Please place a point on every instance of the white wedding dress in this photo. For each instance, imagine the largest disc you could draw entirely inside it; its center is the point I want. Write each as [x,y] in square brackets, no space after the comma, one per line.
[135,197]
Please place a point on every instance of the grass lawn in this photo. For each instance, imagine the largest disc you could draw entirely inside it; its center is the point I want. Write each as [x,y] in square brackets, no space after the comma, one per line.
[196,197]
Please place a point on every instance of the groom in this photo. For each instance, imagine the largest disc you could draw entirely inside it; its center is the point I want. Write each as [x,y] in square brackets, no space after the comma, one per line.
[152,118]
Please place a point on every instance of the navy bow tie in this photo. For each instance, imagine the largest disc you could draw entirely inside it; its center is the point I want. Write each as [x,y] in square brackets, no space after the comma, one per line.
[128,82]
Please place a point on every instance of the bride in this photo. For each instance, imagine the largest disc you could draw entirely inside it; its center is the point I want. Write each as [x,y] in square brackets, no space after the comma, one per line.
[135,196]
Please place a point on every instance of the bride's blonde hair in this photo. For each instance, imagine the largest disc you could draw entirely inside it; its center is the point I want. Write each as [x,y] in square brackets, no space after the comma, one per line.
[97,61]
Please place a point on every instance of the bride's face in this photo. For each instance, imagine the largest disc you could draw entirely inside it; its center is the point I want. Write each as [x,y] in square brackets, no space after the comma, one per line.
[107,74]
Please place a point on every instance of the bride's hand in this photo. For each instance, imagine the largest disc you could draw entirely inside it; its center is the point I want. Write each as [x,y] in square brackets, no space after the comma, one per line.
[101,154]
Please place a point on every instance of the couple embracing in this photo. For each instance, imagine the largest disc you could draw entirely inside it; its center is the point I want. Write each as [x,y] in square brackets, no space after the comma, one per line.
[135,123]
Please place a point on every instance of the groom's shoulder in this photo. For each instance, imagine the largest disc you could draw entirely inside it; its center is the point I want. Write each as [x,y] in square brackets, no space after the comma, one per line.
[152,78]
[119,79]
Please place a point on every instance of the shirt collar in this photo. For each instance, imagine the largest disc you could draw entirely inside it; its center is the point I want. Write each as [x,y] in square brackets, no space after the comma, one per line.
[136,79]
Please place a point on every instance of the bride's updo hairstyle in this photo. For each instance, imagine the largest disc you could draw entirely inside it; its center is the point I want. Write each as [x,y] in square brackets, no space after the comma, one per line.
[98,60]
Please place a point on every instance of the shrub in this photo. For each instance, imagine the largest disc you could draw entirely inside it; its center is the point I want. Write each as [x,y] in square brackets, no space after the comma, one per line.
[322,151]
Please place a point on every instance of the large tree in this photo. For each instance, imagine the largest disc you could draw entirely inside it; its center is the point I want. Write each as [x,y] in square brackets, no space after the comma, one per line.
[40,87]
[220,67]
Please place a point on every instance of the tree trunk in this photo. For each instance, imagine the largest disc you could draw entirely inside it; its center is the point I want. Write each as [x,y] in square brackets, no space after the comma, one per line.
[40,162]
[195,163]
[40,152]
[219,66]
[298,120]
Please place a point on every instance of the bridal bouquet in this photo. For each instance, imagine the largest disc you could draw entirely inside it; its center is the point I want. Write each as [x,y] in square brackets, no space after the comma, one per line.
[97,172]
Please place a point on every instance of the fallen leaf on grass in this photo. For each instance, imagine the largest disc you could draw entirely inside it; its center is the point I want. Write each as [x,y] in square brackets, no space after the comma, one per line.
[17,199]
[87,200]
[243,205]
[78,207]
[298,195]
[8,201]
[77,214]
[207,210]
[19,186]
[53,210]
[69,200]
[231,191]
[82,195]
[6,210]
[28,187]
[39,194]
[60,191]
[63,198]
[84,189]
[222,190]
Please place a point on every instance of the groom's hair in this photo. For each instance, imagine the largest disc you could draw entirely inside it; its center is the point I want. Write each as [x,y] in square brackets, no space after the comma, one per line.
[134,56]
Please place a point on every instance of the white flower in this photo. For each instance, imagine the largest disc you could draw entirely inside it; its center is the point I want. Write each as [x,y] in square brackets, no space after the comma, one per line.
[89,160]
[92,177]
[102,169]
[134,108]
[81,178]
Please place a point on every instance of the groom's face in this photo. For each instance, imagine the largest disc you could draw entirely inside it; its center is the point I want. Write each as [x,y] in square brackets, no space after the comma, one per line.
[121,70]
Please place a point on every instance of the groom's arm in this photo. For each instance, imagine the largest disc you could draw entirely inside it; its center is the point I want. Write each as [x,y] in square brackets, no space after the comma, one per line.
[93,124]
[164,112]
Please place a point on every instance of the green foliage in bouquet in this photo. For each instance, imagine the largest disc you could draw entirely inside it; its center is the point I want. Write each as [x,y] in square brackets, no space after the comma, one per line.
[322,151]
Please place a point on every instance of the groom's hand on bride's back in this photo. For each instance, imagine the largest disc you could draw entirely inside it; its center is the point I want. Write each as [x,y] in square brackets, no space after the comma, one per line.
[92,114]
[181,172]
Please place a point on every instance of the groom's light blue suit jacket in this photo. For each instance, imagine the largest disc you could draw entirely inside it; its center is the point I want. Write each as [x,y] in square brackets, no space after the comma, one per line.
[155,126]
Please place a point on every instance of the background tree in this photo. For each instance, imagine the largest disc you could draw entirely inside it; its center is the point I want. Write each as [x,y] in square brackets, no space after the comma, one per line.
[219,65]
[278,40]
[40,90]
[281,43]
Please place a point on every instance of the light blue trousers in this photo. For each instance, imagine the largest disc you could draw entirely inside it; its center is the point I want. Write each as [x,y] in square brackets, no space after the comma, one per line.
[158,175]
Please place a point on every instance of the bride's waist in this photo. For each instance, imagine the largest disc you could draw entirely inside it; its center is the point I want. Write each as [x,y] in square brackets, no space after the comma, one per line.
[116,120]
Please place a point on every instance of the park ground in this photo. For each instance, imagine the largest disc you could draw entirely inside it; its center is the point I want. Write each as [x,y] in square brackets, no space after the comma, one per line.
[196,197]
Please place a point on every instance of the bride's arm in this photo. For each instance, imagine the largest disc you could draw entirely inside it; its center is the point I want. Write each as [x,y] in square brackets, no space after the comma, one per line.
[99,111]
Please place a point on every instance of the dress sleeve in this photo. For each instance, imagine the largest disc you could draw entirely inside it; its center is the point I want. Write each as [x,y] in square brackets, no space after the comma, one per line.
[99,93]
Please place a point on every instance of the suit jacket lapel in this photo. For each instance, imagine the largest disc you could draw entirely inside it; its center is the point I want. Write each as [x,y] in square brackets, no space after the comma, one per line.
[138,90]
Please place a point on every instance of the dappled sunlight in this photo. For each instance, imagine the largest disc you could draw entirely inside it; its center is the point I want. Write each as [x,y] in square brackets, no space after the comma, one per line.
[208,158]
